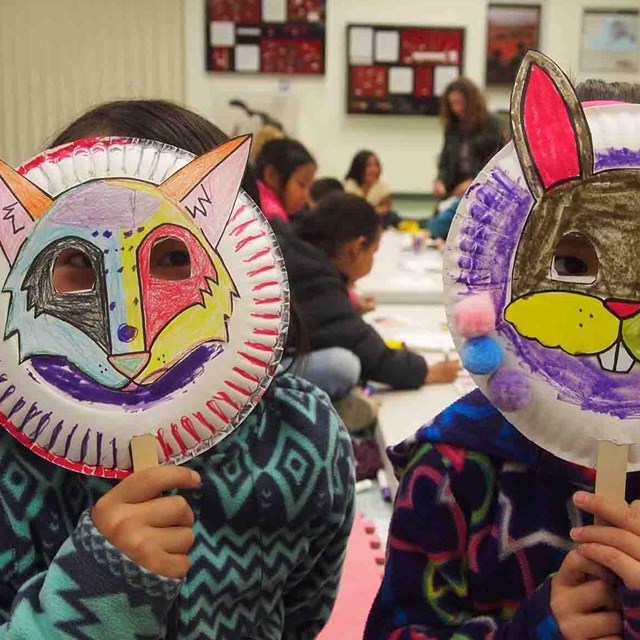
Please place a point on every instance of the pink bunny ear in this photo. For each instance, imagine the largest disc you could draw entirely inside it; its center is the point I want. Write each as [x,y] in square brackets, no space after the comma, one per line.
[208,186]
[549,127]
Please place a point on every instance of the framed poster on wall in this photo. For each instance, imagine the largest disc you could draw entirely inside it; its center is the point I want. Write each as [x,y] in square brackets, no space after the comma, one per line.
[511,31]
[266,36]
[401,70]
[610,40]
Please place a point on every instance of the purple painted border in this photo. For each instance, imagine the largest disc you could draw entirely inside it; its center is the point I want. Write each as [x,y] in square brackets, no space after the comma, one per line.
[59,373]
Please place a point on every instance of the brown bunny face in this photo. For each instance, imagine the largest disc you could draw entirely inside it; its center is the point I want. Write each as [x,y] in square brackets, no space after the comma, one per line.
[577,266]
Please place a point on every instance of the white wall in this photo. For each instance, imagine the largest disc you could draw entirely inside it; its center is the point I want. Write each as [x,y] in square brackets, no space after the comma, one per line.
[408,146]
[59,58]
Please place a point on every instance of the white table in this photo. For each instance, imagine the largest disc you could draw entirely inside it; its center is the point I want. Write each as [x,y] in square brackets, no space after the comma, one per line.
[403,412]
[402,276]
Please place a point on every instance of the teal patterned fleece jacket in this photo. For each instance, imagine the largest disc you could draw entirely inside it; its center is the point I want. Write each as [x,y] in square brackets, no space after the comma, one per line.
[273,515]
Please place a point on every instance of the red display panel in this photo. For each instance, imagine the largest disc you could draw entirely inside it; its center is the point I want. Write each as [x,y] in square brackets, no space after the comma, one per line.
[283,37]
[237,11]
[399,70]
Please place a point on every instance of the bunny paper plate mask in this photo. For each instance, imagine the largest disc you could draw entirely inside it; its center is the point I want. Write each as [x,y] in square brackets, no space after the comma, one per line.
[546,242]
[143,292]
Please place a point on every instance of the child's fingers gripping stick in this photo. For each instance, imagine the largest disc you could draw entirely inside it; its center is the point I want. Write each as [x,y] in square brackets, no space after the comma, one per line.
[584,601]
[576,570]
[153,531]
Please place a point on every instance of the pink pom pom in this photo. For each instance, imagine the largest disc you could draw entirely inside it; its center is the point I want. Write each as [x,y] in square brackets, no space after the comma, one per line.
[475,316]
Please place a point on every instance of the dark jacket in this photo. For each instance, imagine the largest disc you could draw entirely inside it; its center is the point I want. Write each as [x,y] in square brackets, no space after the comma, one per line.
[481,522]
[483,144]
[322,299]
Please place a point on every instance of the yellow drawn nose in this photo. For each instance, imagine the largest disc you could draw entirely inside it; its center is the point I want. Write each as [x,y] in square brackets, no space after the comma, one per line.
[129,364]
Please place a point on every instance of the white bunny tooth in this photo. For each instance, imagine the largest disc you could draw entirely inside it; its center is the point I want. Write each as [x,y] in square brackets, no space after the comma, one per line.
[625,360]
[608,358]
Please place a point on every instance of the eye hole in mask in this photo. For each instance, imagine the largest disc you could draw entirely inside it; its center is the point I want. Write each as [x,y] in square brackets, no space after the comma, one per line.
[73,272]
[575,260]
[170,259]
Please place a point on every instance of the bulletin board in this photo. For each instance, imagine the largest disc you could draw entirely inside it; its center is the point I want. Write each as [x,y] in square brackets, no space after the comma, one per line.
[266,36]
[401,70]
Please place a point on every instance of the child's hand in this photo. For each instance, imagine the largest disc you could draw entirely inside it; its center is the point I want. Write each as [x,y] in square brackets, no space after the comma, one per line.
[584,601]
[153,531]
[438,189]
[442,372]
[364,304]
[616,547]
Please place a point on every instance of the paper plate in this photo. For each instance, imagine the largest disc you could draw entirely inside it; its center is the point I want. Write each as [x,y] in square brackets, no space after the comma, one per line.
[574,340]
[135,352]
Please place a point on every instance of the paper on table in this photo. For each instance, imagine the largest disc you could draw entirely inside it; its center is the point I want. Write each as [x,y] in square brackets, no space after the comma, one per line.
[422,263]
[424,340]
[247,57]
[222,34]
[401,80]
[274,10]
[361,45]
[442,77]
[387,46]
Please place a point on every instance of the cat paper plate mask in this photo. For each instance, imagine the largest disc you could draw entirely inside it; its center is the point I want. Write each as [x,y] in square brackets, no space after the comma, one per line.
[546,242]
[143,292]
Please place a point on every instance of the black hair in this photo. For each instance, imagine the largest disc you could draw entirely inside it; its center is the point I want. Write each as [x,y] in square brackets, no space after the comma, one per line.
[339,218]
[323,187]
[596,89]
[158,120]
[284,155]
[359,166]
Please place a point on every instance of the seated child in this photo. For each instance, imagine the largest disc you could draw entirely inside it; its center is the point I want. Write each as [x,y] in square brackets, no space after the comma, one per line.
[334,249]
[285,172]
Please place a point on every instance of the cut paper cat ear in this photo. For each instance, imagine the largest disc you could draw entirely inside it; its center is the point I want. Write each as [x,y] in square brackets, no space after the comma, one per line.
[208,186]
[549,127]
[22,204]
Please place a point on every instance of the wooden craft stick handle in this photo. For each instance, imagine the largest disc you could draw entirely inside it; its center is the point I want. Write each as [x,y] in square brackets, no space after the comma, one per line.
[611,472]
[144,452]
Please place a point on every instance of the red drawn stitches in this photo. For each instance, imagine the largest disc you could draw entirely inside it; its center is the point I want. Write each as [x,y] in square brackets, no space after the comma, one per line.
[255,256]
[246,374]
[236,231]
[164,445]
[237,212]
[80,467]
[257,272]
[253,360]
[238,388]
[187,425]
[258,347]
[199,416]
[178,438]
[265,332]
[245,241]
[67,150]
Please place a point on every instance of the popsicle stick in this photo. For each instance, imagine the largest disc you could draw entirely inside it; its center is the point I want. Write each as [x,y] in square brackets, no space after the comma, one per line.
[611,472]
[144,452]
